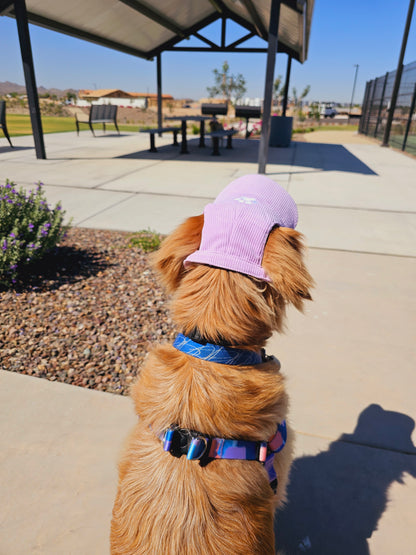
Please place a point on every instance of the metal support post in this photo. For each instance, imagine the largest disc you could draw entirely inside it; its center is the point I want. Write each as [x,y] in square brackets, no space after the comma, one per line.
[268,86]
[353,90]
[409,119]
[398,77]
[159,91]
[380,108]
[30,80]
[286,91]
[370,107]
[364,107]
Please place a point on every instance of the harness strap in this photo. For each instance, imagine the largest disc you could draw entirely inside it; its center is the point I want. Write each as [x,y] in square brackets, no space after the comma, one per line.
[196,446]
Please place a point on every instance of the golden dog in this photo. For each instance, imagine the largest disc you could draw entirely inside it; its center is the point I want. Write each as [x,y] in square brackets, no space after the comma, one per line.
[169,505]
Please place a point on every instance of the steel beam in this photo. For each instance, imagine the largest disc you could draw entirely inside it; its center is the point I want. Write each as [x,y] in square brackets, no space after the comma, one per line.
[268,86]
[398,77]
[155,15]
[286,91]
[84,35]
[159,91]
[257,21]
[409,119]
[5,6]
[29,73]
[380,108]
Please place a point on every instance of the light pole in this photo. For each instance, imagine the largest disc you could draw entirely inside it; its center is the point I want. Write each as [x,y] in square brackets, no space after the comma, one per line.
[353,89]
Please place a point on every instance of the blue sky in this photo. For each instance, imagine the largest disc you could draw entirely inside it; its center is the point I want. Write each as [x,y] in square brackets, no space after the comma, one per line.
[342,34]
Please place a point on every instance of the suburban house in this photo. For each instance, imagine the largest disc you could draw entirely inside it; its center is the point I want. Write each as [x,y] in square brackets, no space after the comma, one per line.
[120,98]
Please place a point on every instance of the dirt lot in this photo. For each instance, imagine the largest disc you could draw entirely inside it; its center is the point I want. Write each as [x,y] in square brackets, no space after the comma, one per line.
[333,137]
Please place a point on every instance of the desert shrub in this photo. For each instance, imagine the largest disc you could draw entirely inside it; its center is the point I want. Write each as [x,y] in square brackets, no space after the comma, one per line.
[146,239]
[29,228]
[303,130]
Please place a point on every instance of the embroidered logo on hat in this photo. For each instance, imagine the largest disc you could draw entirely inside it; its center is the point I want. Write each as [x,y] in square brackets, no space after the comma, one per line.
[246,200]
[238,223]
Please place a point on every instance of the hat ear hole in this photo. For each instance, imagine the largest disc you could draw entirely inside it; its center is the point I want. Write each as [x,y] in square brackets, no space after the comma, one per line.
[284,263]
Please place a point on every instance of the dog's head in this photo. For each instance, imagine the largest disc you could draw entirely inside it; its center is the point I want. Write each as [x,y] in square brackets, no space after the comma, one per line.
[233,269]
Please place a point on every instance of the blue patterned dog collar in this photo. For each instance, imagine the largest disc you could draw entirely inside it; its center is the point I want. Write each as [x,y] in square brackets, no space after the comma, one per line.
[216,353]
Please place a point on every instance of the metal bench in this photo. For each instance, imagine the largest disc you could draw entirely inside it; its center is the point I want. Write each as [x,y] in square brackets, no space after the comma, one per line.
[99,113]
[3,120]
[220,134]
[152,133]
[247,112]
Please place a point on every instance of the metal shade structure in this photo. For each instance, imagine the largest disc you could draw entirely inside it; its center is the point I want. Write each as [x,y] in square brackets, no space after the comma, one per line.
[146,29]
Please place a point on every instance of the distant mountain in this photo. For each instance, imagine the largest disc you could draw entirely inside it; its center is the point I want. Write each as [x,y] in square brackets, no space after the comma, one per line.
[6,87]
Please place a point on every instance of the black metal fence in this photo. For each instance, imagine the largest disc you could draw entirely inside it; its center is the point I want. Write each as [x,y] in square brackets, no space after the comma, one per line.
[376,104]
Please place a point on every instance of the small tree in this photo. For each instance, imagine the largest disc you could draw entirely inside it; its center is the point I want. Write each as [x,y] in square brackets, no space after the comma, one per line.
[298,101]
[70,96]
[227,85]
[314,111]
[278,88]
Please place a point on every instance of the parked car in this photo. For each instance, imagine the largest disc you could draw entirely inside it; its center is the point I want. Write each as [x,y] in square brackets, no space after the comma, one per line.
[328,110]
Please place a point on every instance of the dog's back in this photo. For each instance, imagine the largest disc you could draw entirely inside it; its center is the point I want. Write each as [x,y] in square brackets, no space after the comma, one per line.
[179,507]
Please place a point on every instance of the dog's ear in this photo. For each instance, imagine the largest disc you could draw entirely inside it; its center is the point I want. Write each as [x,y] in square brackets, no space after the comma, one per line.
[168,260]
[284,263]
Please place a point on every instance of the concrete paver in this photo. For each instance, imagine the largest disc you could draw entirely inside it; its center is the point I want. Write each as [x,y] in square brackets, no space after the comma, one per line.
[157,213]
[349,360]
[354,346]
[58,466]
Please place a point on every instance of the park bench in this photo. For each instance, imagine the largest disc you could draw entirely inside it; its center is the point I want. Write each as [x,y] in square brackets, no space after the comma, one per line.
[160,130]
[99,113]
[247,112]
[221,134]
[3,120]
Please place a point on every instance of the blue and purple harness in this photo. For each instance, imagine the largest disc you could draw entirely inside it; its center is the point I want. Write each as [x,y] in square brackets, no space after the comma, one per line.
[197,446]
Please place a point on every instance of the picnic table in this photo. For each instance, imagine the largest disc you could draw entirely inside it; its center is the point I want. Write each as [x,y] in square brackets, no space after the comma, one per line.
[184,120]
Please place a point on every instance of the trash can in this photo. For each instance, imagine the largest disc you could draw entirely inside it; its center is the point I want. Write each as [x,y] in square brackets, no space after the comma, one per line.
[280,131]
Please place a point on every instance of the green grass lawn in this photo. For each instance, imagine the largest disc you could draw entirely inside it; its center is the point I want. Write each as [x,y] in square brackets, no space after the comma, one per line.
[18,124]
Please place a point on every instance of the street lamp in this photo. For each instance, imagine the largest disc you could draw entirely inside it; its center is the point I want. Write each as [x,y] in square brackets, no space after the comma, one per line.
[353,89]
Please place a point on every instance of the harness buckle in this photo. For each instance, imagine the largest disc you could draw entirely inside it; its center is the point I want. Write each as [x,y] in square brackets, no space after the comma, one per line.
[262,451]
[197,448]
[179,441]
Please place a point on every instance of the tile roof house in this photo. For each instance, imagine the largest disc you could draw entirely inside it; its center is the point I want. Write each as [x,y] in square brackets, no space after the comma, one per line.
[119,97]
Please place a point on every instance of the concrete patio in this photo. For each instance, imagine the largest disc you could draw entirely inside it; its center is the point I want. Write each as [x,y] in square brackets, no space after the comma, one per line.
[349,359]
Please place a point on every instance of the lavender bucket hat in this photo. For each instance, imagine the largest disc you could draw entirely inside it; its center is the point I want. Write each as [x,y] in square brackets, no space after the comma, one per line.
[238,223]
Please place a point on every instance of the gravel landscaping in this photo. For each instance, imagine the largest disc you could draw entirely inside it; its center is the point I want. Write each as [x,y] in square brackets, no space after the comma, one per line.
[86,315]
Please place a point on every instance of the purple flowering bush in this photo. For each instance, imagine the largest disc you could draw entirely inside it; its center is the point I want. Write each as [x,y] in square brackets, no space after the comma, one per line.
[29,228]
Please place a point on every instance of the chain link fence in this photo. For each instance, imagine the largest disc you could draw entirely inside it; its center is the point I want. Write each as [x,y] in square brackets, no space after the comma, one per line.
[376,104]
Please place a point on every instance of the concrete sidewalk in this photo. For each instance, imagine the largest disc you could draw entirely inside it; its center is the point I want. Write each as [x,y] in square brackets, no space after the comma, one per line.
[349,360]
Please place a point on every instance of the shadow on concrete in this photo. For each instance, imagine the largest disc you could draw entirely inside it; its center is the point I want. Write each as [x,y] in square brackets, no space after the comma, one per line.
[99,134]
[8,148]
[313,156]
[337,497]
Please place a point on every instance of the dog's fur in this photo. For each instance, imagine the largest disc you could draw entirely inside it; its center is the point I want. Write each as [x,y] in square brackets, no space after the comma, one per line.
[172,506]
